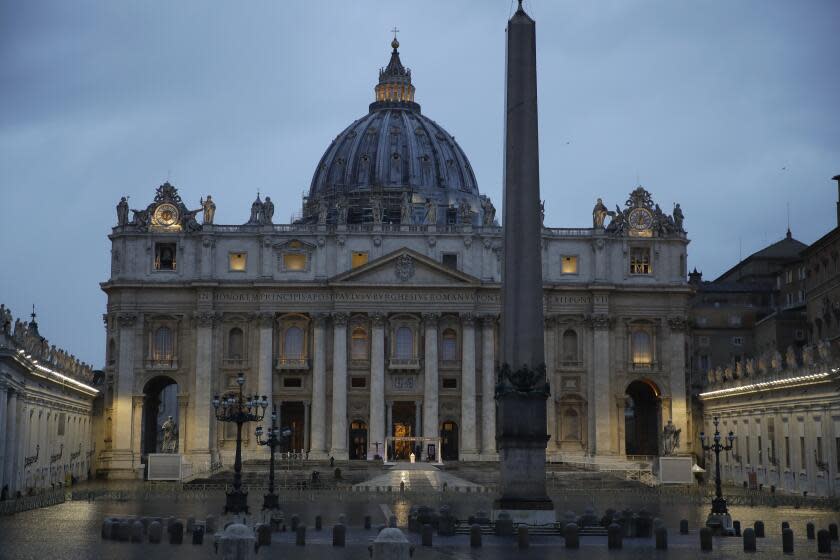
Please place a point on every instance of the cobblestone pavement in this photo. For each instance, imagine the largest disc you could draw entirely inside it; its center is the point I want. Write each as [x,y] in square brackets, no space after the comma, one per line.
[72,530]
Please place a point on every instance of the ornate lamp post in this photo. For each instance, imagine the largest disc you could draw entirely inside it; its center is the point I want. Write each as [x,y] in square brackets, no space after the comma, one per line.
[239,409]
[719,519]
[276,436]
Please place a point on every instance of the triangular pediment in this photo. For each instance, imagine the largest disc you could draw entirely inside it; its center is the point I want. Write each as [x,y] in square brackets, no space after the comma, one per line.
[404,267]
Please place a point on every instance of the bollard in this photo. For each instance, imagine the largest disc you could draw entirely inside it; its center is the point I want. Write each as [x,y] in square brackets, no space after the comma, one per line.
[155,532]
[124,530]
[319,522]
[295,521]
[367,522]
[787,540]
[832,530]
[190,524]
[504,525]
[392,522]
[683,527]
[810,532]
[339,534]
[210,524]
[749,540]
[705,539]
[759,529]
[522,536]
[137,531]
[823,542]
[475,535]
[198,534]
[785,525]
[736,526]
[572,536]
[614,536]
[263,532]
[426,535]
[402,487]
[300,535]
[661,534]
[176,532]
[107,528]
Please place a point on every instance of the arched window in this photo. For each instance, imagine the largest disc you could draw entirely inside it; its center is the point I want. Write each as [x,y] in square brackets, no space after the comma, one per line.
[359,344]
[235,343]
[570,346]
[449,348]
[293,343]
[571,425]
[404,343]
[163,347]
[641,348]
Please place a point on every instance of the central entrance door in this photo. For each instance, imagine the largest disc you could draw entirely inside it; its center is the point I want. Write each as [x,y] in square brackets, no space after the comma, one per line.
[404,415]
[642,413]
[292,416]
[449,441]
[358,440]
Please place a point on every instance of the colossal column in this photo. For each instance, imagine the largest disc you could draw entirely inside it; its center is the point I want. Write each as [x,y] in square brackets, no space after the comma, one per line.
[264,370]
[550,364]
[377,384]
[430,386]
[488,386]
[318,438]
[338,448]
[200,417]
[122,457]
[601,392]
[679,404]
[3,399]
[469,446]
[522,387]
[137,426]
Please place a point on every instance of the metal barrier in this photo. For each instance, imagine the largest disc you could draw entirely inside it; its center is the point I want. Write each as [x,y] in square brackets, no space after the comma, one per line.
[46,499]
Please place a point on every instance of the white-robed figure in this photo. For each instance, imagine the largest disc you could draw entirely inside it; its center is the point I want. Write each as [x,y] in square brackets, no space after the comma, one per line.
[170,436]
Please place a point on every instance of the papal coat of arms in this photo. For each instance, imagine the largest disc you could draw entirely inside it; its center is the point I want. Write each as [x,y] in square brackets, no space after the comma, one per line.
[405,267]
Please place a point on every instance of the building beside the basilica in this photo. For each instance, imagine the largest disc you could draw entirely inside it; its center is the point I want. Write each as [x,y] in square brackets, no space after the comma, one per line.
[375,315]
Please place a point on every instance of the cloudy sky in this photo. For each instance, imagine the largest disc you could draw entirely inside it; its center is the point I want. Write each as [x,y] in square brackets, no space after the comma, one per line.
[730,108]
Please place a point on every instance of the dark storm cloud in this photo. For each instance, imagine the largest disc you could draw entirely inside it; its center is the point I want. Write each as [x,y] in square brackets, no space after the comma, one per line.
[704,102]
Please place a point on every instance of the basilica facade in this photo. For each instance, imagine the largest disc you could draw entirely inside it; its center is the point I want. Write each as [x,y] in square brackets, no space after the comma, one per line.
[374,318]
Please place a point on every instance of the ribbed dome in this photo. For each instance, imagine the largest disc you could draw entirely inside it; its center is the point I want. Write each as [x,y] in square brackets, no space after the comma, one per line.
[393,150]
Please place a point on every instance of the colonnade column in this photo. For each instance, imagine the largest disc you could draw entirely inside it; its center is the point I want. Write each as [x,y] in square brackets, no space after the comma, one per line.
[12,436]
[3,413]
[264,368]
[430,387]
[601,392]
[338,446]
[550,363]
[137,425]
[122,458]
[201,415]
[679,397]
[488,386]
[318,439]
[23,449]
[377,384]
[469,443]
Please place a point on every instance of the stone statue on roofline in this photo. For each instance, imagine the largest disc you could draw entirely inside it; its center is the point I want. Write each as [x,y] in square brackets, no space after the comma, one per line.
[808,355]
[824,350]
[256,211]
[599,214]
[678,218]
[776,361]
[790,358]
[122,212]
[376,209]
[431,212]
[267,212]
[209,208]
[406,209]
[323,211]
[488,211]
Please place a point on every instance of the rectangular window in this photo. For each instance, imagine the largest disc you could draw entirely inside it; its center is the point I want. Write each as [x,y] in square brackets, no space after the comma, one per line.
[450,383]
[760,454]
[358,382]
[737,341]
[802,458]
[294,262]
[787,451]
[165,256]
[640,260]
[450,260]
[789,276]
[568,265]
[358,258]
[747,445]
[237,262]
[292,382]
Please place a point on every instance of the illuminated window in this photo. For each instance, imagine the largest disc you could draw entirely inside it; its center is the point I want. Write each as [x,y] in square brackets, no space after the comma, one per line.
[640,260]
[405,343]
[449,348]
[237,261]
[642,348]
[162,346]
[235,343]
[359,344]
[293,343]
[294,261]
[568,265]
[165,256]
[358,259]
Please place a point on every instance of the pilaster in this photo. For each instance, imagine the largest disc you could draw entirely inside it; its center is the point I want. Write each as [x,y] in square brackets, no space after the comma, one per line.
[338,448]
[377,384]
[469,444]
[430,387]
[488,387]
[318,436]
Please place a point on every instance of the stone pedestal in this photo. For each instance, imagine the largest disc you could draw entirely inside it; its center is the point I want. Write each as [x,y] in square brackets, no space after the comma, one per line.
[676,470]
[164,466]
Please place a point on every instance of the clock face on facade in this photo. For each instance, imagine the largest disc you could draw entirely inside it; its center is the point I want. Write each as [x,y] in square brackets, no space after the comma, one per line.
[640,219]
[166,215]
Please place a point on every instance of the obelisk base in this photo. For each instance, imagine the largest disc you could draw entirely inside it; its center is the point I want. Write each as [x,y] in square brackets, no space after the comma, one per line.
[525,512]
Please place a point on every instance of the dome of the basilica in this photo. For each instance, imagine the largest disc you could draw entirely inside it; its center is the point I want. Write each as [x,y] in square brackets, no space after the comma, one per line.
[391,152]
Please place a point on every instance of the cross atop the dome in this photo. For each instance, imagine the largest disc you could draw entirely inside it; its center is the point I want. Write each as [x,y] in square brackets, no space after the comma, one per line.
[395,31]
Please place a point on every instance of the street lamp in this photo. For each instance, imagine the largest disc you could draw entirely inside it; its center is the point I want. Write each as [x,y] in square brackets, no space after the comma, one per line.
[239,409]
[719,519]
[275,439]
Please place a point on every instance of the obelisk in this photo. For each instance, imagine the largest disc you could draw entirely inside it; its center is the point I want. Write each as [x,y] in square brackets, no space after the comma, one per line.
[522,388]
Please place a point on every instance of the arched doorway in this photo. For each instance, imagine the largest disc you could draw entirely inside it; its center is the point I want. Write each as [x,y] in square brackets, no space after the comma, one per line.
[449,441]
[160,401]
[642,413]
[403,424]
[358,440]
